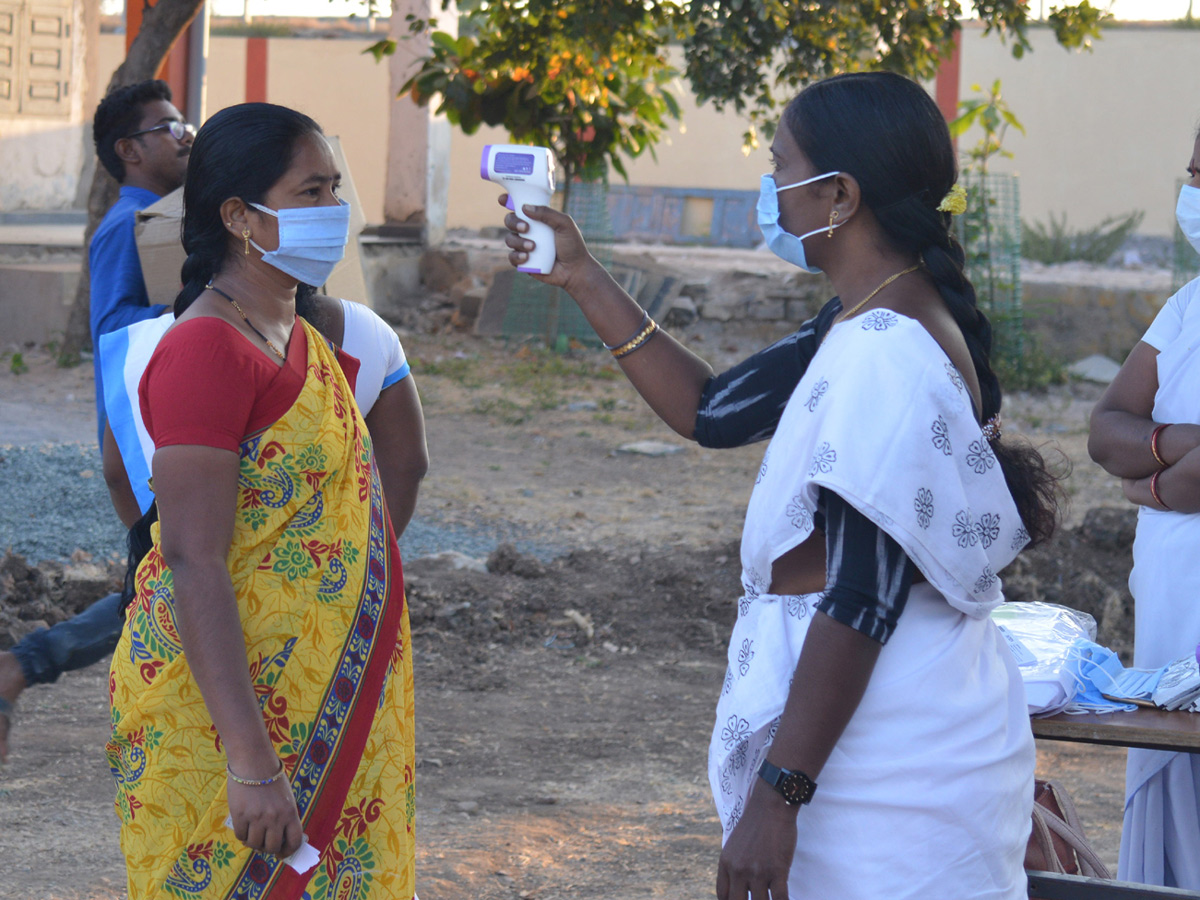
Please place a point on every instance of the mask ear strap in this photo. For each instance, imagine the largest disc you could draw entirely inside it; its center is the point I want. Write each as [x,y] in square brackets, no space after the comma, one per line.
[788,187]
[1084,678]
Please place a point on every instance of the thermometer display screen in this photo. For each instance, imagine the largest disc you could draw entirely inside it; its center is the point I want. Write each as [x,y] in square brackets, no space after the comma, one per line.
[513,164]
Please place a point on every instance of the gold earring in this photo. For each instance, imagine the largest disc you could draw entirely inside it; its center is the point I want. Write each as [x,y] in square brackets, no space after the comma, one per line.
[246,238]
[832,216]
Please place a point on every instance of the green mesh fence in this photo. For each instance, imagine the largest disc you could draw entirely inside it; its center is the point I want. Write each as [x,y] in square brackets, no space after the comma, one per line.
[990,232]
[538,310]
[1185,263]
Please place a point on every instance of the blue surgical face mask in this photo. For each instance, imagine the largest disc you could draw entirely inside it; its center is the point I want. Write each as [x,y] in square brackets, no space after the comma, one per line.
[783,244]
[1187,214]
[1094,671]
[312,241]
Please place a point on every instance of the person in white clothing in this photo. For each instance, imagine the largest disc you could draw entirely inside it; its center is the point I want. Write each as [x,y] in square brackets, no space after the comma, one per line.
[863,659]
[1146,430]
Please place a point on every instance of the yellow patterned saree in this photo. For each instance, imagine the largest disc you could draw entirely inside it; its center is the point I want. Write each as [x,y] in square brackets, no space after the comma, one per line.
[317,575]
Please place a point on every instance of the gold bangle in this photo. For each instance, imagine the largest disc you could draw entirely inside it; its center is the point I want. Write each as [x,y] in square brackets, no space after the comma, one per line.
[637,331]
[250,782]
[636,341]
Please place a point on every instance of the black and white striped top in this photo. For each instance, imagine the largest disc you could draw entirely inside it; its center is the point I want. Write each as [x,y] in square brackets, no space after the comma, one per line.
[868,575]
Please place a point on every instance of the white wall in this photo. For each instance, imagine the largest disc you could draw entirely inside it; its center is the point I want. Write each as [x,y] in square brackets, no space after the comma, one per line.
[1107,132]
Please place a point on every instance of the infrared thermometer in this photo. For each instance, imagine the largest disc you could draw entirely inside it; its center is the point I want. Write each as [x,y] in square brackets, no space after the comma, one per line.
[527,173]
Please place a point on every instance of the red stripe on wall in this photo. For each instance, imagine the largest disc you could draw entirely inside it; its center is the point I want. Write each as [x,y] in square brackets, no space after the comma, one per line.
[256,70]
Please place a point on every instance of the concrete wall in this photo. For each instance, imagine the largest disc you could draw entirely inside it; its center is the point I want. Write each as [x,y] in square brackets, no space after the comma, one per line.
[1107,132]
[348,94]
[35,301]
[330,80]
[43,156]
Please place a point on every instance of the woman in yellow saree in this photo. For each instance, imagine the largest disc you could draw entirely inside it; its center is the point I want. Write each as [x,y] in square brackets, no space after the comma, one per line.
[261,693]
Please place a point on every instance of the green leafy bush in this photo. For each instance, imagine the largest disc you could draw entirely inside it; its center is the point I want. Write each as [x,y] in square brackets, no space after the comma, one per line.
[1055,242]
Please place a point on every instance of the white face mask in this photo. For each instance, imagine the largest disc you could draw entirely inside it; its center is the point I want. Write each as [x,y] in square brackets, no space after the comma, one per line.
[1187,214]
[312,241]
[784,244]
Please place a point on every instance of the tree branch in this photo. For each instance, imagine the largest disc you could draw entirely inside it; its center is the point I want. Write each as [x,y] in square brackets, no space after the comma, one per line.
[161,26]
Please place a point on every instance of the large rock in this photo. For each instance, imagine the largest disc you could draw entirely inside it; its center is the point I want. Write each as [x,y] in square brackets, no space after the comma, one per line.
[442,269]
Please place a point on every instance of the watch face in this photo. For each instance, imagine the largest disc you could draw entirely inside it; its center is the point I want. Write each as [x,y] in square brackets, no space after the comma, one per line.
[796,788]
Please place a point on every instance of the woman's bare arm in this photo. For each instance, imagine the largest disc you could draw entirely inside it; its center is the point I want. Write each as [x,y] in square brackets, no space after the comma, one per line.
[1122,422]
[831,677]
[1178,487]
[669,377]
[196,489]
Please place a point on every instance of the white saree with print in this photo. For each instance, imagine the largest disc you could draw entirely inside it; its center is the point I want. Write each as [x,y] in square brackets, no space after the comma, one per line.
[929,791]
[1160,840]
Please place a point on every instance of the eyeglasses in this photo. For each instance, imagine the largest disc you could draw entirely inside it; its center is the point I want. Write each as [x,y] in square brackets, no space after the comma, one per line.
[178,130]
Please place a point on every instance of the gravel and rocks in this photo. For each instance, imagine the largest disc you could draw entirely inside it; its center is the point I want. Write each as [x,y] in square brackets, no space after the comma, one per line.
[56,504]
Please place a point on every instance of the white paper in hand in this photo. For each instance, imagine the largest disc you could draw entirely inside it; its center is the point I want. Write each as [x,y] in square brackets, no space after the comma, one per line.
[302,860]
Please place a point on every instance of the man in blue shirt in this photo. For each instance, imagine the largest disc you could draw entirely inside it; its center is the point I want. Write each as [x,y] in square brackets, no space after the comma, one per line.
[143,141]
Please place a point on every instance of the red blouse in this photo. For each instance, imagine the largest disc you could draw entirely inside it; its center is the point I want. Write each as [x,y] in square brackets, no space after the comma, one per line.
[208,385]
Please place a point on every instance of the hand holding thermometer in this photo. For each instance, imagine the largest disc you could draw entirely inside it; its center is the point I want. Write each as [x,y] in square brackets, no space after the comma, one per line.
[527,173]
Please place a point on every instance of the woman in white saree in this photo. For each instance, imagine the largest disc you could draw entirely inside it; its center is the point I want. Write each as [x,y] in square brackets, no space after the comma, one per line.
[1146,429]
[863,657]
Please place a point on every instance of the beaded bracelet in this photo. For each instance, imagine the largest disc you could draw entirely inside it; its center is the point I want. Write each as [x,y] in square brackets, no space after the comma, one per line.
[636,341]
[1154,444]
[641,325]
[1154,490]
[249,782]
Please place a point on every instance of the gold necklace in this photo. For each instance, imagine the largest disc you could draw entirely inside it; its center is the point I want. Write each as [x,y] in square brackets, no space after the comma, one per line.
[863,302]
[249,324]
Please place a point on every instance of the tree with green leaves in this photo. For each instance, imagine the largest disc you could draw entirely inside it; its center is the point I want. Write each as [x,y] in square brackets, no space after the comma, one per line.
[162,24]
[589,79]
[757,54]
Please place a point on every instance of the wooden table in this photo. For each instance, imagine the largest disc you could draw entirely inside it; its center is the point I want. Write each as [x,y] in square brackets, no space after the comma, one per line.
[1154,729]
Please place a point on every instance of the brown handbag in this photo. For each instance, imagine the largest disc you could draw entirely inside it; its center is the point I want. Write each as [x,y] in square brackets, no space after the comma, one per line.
[1057,843]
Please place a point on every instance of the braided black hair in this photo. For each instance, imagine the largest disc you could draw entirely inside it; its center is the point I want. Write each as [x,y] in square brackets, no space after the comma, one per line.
[138,543]
[886,131]
[240,152]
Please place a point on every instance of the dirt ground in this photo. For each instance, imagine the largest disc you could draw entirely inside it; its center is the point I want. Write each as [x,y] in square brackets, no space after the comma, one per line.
[563,708]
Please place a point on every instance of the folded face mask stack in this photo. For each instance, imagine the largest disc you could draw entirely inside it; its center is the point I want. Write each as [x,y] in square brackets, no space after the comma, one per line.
[1041,637]
[1065,670]
[1101,683]
[1179,685]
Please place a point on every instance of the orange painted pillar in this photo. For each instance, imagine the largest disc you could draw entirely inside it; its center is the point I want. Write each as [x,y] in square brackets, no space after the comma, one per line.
[946,90]
[256,70]
[174,70]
